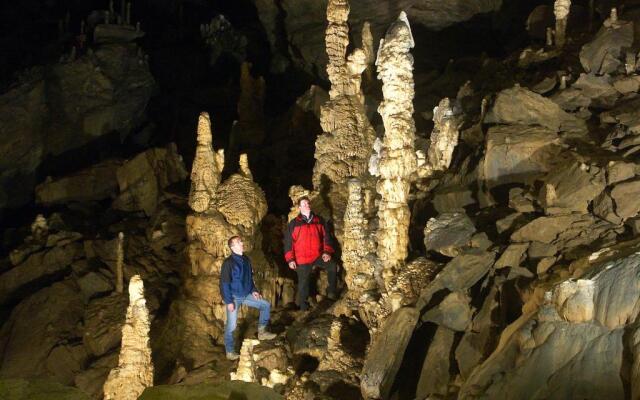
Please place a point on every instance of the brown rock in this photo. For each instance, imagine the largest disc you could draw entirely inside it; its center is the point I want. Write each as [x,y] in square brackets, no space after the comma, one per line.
[435,375]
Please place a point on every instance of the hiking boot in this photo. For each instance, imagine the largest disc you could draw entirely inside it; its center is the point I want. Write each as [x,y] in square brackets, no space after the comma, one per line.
[263,334]
[233,356]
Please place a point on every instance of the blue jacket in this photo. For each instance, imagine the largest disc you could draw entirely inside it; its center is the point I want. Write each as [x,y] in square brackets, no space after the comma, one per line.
[236,278]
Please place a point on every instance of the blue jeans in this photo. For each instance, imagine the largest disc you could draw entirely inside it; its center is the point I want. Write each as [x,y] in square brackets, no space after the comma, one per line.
[232,317]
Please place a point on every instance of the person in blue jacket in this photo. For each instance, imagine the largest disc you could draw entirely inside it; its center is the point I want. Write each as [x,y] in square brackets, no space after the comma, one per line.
[237,288]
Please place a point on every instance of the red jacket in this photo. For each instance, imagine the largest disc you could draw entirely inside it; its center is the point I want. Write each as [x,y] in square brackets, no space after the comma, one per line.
[305,241]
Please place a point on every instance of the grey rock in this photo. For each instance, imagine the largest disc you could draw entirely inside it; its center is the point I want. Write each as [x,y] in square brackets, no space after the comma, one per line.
[454,312]
[512,256]
[544,229]
[103,320]
[37,268]
[602,54]
[435,375]
[449,233]
[625,195]
[521,106]
[386,353]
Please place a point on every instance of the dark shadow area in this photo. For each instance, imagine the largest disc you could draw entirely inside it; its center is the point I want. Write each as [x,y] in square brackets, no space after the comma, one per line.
[304,363]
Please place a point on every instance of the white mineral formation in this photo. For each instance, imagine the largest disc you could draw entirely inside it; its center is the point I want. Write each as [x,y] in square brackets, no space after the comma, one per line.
[444,139]
[561,10]
[120,263]
[134,372]
[356,246]
[207,167]
[39,228]
[246,365]
[398,159]
[343,150]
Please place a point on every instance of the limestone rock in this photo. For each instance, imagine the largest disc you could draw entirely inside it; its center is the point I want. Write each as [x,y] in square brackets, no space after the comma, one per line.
[206,169]
[37,269]
[544,229]
[22,389]
[94,183]
[518,105]
[518,153]
[92,379]
[624,195]
[134,372]
[459,274]
[453,312]
[228,390]
[602,55]
[386,353]
[449,233]
[37,326]
[94,284]
[103,320]
[512,255]
[435,376]
[563,339]
[143,178]
[444,138]
[625,114]
[572,186]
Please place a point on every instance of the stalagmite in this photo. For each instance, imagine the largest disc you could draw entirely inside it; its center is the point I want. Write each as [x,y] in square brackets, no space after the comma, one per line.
[344,149]
[398,161]
[561,10]
[444,139]
[549,37]
[207,167]
[120,263]
[356,246]
[39,228]
[246,364]
[134,372]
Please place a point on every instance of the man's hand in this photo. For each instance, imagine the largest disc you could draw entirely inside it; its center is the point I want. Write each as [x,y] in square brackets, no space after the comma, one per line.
[256,296]
[292,265]
[231,307]
[326,257]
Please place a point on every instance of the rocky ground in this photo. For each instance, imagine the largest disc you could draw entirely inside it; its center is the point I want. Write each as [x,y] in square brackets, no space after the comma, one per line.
[522,278]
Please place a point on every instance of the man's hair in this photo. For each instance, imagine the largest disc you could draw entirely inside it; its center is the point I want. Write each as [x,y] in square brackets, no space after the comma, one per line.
[303,198]
[231,240]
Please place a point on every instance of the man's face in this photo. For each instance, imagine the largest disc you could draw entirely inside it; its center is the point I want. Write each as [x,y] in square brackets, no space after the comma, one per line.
[237,246]
[305,207]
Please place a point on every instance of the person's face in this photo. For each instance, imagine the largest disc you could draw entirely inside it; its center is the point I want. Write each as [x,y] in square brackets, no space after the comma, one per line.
[305,207]
[237,246]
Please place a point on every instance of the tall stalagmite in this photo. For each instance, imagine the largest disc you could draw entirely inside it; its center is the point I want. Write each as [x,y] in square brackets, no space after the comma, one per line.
[444,139]
[561,10]
[134,372]
[398,160]
[221,210]
[344,149]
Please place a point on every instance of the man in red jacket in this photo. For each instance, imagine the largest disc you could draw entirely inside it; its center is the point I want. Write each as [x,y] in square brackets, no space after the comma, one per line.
[308,242]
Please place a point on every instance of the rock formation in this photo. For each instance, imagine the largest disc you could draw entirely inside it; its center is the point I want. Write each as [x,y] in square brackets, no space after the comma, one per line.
[344,149]
[120,263]
[398,162]
[444,139]
[221,210]
[246,365]
[561,10]
[249,131]
[134,372]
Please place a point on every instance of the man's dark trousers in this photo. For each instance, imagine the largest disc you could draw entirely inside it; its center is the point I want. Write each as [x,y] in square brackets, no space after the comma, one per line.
[304,273]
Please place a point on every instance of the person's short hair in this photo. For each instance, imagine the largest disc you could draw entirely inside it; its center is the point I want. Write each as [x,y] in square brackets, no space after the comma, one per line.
[231,240]
[303,198]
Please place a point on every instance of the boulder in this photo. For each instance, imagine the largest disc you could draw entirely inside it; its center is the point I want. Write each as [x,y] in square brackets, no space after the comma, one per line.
[545,229]
[518,153]
[454,312]
[386,353]
[602,55]
[625,114]
[33,337]
[520,106]
[103,320]
[625,195]
[22,389]
[94,284]
[38,268]
[94,183]
[449,233]
[512,256]
[435,375]
[572,343]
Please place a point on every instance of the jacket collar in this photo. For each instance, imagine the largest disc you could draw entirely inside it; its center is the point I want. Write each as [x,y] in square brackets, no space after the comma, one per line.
[305,219]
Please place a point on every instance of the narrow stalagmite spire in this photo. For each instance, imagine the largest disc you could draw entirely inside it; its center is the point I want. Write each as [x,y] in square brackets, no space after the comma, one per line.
[444,138]
[120,263]
[356,245]
[206,170]
[561,10]
[398,159]
[134,372]
[244,167]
